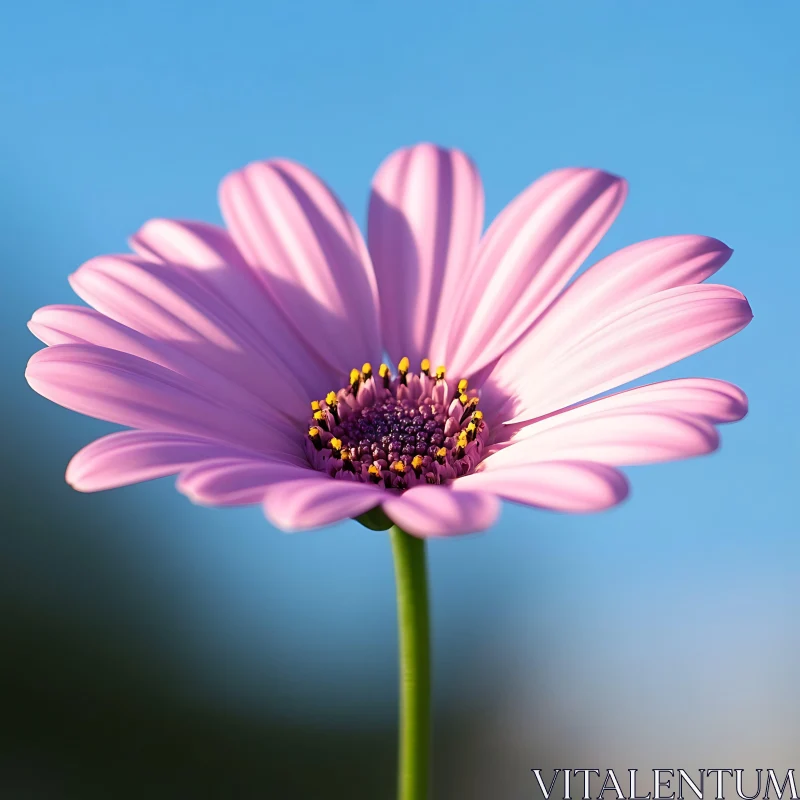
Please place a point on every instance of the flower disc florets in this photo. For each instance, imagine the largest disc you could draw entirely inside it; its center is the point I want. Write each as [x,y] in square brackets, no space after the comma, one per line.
[397,430]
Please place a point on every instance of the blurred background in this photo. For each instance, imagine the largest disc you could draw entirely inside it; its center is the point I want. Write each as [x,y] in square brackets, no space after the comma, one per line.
[151,648]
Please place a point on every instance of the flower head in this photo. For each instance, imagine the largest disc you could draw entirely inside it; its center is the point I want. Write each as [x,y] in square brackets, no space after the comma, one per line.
[413,428]
[243,358]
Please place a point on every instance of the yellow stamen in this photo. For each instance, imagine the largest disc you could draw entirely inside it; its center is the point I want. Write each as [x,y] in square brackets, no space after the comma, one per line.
[367,370]
[468,408]
[416,464]
[383,371]
[471,430]
[316,438]
[374,472]
[315,405]
[441,454]
[347,461]
[355,380]
[478,416]
[461,440]
[319,418]
[440,373]
[333,406]
[463,399]
[399,467]
[335,445]
[462,385]
[402,369]
[425,366]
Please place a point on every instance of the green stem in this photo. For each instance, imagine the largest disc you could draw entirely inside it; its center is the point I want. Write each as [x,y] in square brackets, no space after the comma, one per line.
[415,668]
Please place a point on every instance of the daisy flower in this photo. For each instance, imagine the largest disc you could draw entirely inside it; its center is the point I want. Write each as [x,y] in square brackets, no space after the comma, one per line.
[412,381]
[416,378]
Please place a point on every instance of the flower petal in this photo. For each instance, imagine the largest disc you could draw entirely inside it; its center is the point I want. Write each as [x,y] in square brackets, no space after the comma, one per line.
[618,438]
[130,391]
[290,226]
[644,336]
[56,325]
[120,459]
[526,258]
[237,481]
[628,275]
[168,303]
[571,486]
[193,244]
[439,511]
[707,398]
[658,422]
[318,501]
[216,262]
[712,399]
[425,220]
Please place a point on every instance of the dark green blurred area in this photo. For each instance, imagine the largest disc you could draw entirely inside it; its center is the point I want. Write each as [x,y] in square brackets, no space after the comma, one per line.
[94,708]
[94,705]
[93,683]
[98,697]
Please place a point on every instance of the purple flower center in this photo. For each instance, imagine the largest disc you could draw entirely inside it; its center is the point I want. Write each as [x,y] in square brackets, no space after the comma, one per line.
[397,431]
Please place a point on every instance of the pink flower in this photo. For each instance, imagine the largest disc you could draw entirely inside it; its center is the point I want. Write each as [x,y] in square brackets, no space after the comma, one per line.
[231,353]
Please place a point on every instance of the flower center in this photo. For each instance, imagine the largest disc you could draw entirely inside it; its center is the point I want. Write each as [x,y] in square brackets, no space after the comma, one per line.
[399,430]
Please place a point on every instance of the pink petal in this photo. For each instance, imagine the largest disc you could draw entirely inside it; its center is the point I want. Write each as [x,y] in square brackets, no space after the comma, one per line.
[218,265]
[207,248]
[628,275]
[618,438]
[168,303]
[570,486]
[425,220]
[120,459]
[318,501]
[646,335]
[658,422]
[715,400]
[439,511]
[130,391]
[707,398]
[80,325]
[237,481]
[527,256]
[290,226]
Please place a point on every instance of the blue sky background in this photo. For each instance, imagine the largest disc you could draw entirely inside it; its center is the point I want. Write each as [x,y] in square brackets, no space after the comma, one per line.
[117,112]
